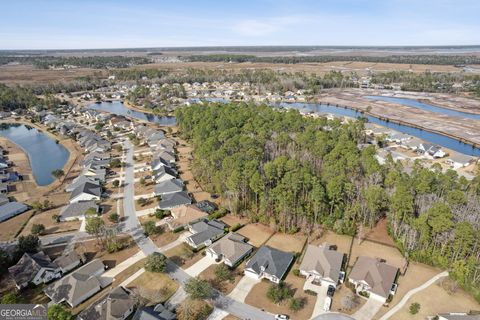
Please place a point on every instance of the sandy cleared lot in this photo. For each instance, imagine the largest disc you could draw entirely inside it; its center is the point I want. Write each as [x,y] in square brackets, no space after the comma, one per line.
[256,233]
[9,228]
[183,255]
[51,226]
[436,299]
[155,287]
[232,220]
[287,242]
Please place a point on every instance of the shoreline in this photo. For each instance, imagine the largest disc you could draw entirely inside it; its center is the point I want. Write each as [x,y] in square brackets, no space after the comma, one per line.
[72,150]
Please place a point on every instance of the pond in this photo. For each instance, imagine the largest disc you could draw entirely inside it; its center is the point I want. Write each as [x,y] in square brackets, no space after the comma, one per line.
[424,106]
[44,153]
[118,108]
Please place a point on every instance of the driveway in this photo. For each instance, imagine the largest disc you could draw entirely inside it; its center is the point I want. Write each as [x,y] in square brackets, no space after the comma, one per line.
[200,266]
[368,310]
[124,265]
[321,296]
[240,292]
[217,314]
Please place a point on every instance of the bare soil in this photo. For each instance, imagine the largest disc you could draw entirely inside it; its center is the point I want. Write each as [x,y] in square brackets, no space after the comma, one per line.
[256,233]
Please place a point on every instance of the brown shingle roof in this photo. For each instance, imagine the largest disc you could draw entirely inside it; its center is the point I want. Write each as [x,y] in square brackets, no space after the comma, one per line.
[379,275]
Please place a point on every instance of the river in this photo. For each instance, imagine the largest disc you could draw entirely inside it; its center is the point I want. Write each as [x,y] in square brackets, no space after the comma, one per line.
[118,108]
[436,138]
[44,154]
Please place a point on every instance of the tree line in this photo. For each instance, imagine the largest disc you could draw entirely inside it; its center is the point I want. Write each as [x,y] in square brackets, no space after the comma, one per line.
[298,174]
[403,59]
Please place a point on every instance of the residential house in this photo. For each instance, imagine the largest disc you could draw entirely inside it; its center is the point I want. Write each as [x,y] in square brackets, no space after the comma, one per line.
[173,200]
[204,233]
[163,174]
[431,150]
[68,261]
[34,268]
[231,249]
[79,285]
[157,163]
[80,180]
[77,210]
[85,192]
[168,186]
[12,209]
[269,263]
[322,264]
[167,156]
[459,160]
[3,199]
[375,277]
[458,316]
[184,215]
[117,305]
[159,312]
[3,188]
[398,137]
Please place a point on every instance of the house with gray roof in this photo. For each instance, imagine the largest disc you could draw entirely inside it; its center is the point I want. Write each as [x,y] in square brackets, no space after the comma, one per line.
[86,192]
[3,199]
[34,268]
[159,312]
[79,285]
[3,188]
[269,263]
[459,160]
[117,305]
[375,277]
[322,264]
[458,316]
[77,210]
[164,173]
[80,180]
[12,209]
[168,186]
[68,261]
[167,156]
[160,162]
[231,249]
[204,233]
[173,200]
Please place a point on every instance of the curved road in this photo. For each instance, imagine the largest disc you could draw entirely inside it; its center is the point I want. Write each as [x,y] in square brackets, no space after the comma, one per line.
[132,225]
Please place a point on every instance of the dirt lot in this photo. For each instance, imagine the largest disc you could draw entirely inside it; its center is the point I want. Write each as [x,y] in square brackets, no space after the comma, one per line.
[435,299]
[183,255]
[165,238]
[258,298]
[150,203]
[9,228]
[93,251]
[256,233]
[51,226]
[287,242]
[155,287]
[232,220]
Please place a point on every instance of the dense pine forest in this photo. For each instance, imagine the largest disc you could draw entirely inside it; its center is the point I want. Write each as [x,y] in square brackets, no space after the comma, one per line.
[296,173]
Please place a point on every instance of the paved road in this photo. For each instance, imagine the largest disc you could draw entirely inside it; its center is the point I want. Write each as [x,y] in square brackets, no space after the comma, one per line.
[410,293]
[132,225]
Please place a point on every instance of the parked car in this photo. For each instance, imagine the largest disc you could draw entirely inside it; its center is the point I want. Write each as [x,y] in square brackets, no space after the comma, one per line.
[330,291]
[281,317]
[328,304]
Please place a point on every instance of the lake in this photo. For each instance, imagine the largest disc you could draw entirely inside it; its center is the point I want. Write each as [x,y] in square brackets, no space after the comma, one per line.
[424,106]
[432,137]
[44,154]
[118,108]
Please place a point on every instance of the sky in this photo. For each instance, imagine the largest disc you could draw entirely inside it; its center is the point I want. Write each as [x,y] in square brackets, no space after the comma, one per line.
[86,24]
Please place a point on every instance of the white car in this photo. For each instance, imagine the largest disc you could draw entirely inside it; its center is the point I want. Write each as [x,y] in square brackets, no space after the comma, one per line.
[281,317]
[327,304]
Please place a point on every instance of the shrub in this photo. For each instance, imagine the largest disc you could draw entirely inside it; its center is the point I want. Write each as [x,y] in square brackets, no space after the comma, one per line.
[278,292]
[179,229]
[296,304]
[38,229]
[198,289]
[222,273]
[116,183]
[414,308]
[310,292]
[193,309]
[296,272]
[113,217]
[156,262]
[150,228]
[236,227]
[160,214]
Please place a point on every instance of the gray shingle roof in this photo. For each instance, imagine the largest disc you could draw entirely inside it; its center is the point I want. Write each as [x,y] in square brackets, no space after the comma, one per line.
[321,259]
[270,261]
[379,275]
[169,186]
[173,200]
[29,265]
[114,306]
[204,231]
[88,188]
[77,209]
